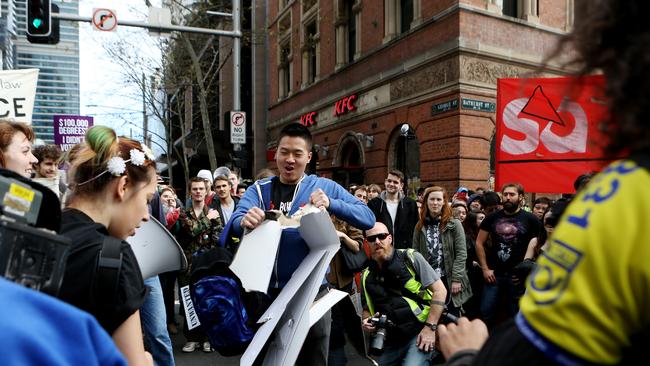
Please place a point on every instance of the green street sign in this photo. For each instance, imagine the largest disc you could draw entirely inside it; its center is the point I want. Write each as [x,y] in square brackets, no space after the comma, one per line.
[477,105]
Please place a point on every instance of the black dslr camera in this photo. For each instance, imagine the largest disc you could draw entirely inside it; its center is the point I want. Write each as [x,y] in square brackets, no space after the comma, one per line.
[31,251]
[381,324]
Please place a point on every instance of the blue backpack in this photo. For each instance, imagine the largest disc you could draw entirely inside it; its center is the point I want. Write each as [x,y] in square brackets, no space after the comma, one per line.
[227,313]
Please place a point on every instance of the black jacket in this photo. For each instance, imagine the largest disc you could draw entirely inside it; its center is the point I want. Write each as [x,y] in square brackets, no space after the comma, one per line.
[405,219]
[216,204]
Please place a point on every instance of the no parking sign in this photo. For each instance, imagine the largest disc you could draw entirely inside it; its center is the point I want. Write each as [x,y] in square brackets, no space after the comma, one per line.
[237,127]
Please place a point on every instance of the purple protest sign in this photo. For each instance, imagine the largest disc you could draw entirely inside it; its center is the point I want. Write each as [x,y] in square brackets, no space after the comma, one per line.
[70,130]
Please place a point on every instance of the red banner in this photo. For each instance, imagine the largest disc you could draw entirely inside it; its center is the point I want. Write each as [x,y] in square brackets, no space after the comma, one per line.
[547,131]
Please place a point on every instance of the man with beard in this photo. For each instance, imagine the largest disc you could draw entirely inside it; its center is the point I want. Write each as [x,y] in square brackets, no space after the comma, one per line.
[401,284]
[509,231]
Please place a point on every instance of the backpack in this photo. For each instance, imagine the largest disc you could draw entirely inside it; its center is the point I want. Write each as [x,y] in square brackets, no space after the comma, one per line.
[227,313]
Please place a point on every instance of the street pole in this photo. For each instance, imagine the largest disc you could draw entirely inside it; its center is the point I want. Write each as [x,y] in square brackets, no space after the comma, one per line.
[157,28]
[236,55]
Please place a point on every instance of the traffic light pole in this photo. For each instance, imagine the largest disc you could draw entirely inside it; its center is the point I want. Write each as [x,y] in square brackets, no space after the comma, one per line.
[158,28]
[236,34]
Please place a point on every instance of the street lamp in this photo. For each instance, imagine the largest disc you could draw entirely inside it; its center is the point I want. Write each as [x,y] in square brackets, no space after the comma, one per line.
[404,132]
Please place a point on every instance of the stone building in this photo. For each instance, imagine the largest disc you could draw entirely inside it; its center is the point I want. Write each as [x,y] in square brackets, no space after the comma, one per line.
[406,84]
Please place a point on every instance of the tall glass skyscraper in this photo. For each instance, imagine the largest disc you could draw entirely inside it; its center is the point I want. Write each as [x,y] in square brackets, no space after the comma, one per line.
[57,91]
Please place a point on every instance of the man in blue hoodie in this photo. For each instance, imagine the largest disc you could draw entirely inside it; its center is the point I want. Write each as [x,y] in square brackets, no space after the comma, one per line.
[288,192]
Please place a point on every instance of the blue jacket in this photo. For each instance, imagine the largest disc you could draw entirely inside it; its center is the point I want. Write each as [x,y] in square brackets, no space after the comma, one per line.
[38,329]
[293,248]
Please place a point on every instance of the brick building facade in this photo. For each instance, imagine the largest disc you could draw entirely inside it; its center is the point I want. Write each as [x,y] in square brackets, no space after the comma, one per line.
[407,84]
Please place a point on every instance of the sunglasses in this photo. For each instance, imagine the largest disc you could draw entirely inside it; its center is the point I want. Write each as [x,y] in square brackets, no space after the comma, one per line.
[372,238]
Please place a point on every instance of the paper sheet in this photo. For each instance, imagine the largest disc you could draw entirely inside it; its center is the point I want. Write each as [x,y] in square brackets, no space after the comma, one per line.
[318,231]
[253,263]
[322,305]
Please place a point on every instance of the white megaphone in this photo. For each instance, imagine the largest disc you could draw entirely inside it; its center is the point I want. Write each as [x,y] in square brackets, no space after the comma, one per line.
[156,249]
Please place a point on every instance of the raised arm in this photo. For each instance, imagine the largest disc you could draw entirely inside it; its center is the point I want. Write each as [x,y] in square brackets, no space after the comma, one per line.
[347,207]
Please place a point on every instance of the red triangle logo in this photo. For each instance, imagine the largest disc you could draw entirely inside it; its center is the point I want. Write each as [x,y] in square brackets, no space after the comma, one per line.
[540,106]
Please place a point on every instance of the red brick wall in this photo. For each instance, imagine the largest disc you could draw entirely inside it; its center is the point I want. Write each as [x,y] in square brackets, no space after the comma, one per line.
[327,37]
[506,34]
[553,13]
[415,44]
[372,26]
[431,8]
[454,146]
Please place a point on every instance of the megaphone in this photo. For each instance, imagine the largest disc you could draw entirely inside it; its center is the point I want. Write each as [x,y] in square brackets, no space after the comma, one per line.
[156,249]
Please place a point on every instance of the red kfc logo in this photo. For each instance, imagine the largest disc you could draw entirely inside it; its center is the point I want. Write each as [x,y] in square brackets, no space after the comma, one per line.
[308,119]
[344,105]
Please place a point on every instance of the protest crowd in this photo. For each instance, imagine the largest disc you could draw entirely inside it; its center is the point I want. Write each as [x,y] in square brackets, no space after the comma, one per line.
[460,276]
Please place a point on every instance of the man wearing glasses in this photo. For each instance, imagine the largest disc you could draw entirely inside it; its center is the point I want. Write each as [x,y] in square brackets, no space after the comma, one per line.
[401,285]
[398,212]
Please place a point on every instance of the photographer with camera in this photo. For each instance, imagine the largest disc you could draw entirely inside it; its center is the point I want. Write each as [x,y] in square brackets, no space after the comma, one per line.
[407,299]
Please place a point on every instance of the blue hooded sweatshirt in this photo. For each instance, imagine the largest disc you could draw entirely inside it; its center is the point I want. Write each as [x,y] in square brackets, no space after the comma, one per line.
[293,248]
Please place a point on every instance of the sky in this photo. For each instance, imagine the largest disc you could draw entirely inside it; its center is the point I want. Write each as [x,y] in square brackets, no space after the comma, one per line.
[106,92]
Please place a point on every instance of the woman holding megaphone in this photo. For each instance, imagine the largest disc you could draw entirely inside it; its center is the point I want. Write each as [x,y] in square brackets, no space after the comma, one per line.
[112,180]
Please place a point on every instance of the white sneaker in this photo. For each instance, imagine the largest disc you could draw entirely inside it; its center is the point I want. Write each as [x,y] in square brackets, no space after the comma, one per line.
[190,346]
[207,347]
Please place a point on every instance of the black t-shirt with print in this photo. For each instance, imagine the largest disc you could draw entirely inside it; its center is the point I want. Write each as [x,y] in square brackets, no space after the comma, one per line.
[282,196]
[509,238]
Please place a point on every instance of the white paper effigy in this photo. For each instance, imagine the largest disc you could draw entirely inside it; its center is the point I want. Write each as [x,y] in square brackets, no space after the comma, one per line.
[254,261]
[293,312]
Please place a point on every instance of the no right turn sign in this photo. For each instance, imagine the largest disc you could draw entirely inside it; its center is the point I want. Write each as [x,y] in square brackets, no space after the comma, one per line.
[104,20]
[237,127]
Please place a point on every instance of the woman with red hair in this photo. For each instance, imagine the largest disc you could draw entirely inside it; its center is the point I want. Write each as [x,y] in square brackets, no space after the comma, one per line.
[441,240]
[16,148]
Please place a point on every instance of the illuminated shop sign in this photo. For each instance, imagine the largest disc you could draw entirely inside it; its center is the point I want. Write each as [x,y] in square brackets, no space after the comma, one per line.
[342,106]
[308,119]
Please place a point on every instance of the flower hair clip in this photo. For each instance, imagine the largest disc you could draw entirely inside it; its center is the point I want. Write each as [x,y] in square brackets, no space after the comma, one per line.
[117,165]
[137,157]
[148,152]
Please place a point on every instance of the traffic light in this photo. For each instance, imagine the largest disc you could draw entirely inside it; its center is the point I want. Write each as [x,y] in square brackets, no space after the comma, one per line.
[39,18]
[47,31]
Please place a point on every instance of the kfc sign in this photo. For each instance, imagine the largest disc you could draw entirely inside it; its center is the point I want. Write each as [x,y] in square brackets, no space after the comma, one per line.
[308,119]
[547,131]
[344,105]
